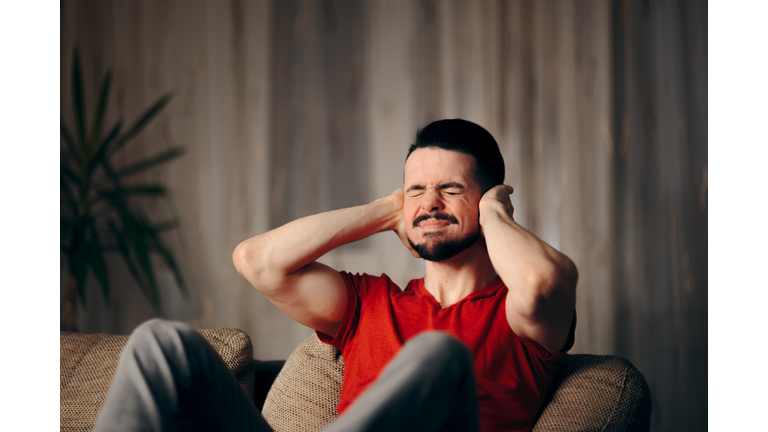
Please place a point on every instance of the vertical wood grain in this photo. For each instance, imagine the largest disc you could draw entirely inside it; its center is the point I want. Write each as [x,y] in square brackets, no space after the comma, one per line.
[660,223]
[292,107]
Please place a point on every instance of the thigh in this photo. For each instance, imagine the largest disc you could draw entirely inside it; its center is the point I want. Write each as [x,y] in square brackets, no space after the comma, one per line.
[169,377]
[213,399]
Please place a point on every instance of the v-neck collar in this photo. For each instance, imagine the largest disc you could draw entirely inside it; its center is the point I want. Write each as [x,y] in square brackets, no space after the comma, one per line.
[491,286]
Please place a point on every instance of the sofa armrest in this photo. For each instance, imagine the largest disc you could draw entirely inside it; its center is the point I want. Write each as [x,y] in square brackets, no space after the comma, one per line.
[596,392]
[88,363]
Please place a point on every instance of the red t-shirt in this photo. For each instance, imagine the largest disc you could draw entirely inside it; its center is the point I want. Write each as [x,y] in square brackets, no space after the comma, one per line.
[513,374]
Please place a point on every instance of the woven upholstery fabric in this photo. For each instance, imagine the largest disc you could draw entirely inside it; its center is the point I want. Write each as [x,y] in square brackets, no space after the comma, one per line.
[306,392]
[597,393]
[88,363]
[590,393]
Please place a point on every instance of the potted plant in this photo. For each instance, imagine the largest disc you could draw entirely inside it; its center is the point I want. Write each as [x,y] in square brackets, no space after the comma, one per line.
[99,210]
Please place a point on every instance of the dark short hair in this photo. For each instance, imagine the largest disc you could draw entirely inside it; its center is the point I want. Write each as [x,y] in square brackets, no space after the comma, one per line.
[465,137]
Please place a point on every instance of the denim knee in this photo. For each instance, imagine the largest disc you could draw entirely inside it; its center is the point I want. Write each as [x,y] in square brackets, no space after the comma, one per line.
[151,327]
[159,330]
[440,349]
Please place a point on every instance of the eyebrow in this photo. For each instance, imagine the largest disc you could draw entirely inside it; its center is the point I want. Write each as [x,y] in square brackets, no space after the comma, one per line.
[442,186]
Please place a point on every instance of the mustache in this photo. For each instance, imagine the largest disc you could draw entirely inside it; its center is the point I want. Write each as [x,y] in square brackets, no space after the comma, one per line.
[435,215]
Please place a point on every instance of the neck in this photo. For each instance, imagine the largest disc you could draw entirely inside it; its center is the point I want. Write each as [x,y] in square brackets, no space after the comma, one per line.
[453,279]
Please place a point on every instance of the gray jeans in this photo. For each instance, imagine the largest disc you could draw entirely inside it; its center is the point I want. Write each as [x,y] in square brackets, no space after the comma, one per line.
[170,378]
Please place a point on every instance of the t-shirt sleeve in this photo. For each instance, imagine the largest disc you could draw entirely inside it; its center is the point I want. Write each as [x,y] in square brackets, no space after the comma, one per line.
[351,312]
[547,356]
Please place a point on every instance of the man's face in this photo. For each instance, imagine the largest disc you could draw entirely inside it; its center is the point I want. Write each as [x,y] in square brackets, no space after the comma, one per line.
[441,202]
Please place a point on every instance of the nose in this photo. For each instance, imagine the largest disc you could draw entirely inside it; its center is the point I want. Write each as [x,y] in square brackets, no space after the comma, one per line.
[432,201]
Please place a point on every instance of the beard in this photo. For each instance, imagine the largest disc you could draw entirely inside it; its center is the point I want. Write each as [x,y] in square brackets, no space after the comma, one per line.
[435,249]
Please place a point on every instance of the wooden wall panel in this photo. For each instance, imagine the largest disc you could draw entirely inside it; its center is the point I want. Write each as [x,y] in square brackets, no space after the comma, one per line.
[292,107]
[660,171]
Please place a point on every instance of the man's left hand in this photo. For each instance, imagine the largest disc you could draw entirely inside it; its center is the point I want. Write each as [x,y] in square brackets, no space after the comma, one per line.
[496,195]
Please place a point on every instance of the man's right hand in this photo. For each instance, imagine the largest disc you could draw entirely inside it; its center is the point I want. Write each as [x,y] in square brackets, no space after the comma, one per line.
[399,197]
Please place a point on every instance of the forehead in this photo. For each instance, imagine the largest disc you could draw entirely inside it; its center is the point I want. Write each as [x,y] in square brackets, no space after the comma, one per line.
[435,165]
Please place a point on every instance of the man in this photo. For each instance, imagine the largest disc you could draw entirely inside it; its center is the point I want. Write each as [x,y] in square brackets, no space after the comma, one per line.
[507,296]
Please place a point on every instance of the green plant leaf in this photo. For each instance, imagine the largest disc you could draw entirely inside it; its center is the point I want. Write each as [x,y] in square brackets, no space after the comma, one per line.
[68,174]
[136,237]
[69,203]
[148,115]
[67,195]
[100,110]
[110,174]
[79,103]
[66,225]
[78,263]
[112,195]
[157,246]
[97,211]
[167,225]
[100,154]
[124,249]
[101,207]
[150,189]
[150,162]
[69,142]
[96,260]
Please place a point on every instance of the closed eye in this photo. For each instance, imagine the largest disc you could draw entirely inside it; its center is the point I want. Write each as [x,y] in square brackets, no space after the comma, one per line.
[415,190]
[452,188]
[448,189]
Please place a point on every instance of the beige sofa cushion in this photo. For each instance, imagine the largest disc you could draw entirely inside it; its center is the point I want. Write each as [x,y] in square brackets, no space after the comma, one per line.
[88,362]
[590,393]
[306,392]
[597,393]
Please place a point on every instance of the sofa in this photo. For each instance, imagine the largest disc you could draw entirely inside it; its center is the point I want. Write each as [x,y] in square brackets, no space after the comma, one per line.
[590,392]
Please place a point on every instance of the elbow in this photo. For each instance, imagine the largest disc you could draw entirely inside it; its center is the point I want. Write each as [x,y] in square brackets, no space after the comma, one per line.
[568,273]
[551,286]
[553,278]
[250,264]
[557,278]
[240,258]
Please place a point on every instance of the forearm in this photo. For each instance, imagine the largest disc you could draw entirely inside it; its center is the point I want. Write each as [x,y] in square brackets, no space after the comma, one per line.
[267,258]
[536,274]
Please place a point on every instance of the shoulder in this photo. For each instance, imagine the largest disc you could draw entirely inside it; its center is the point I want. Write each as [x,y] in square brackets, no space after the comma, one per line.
[363,282]
[365,277]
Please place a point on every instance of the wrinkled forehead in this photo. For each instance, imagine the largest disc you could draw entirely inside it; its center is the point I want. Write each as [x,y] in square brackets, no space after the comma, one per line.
[437,166]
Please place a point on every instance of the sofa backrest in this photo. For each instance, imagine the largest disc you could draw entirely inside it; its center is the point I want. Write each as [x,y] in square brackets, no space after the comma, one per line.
[306,392]
[87,363]
[590,392]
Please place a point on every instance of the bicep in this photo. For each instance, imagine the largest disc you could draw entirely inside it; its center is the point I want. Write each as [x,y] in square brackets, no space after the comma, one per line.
[549,324]
[315,296]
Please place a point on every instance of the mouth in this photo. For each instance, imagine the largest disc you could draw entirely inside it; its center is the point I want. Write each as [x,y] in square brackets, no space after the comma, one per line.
[434,221]
[431,224]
